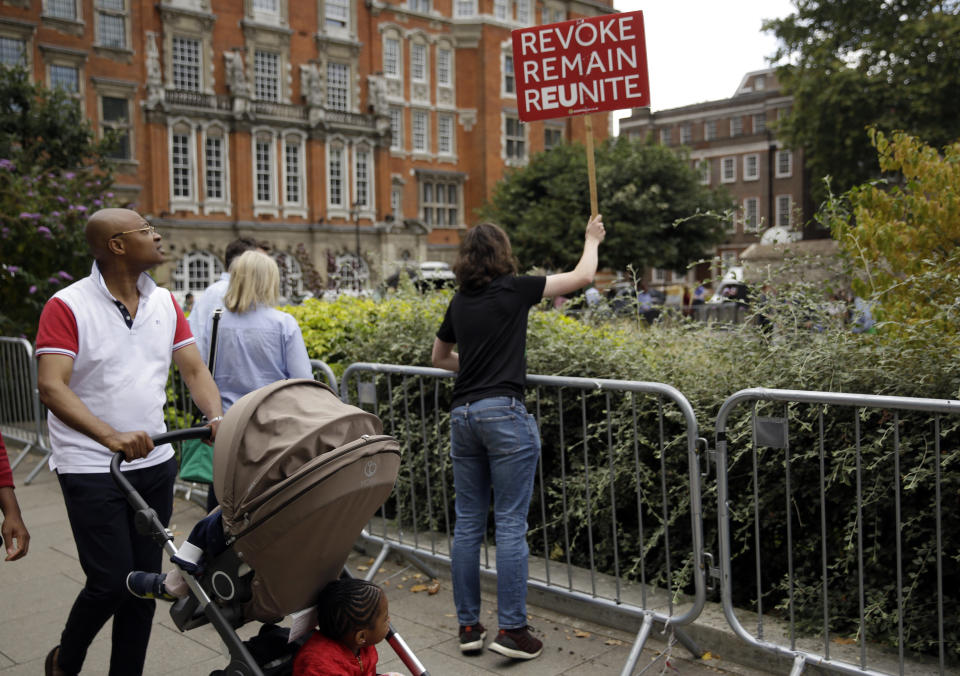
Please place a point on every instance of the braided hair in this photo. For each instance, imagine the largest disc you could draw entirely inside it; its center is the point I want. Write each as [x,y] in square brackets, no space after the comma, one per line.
[347,605]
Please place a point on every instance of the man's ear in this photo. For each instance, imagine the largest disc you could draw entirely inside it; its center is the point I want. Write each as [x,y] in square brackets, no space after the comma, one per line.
[115,246]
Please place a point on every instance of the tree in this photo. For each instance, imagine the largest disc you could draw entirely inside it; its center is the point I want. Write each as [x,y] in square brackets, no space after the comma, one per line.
[902,236]
[53,174]
[654,207]
[850,64]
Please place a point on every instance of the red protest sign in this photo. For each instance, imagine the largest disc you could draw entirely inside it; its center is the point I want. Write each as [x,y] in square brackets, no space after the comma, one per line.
[581,66]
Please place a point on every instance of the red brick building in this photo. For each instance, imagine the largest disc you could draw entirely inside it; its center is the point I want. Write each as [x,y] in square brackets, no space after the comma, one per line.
[732,143]
[343,126]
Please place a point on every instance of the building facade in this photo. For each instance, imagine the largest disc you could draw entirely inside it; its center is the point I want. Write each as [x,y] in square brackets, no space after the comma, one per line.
[733,144]
[350,136]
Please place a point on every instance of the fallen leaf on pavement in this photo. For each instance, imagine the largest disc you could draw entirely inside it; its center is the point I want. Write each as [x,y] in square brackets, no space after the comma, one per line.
[579,633]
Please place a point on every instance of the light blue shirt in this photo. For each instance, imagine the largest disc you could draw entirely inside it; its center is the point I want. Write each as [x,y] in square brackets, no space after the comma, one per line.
[254,349]
[201,317]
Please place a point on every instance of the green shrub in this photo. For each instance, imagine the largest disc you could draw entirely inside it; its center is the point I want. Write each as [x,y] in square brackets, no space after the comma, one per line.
[707,364]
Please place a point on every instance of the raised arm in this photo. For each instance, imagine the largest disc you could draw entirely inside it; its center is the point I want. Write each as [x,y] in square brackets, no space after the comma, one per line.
[583,274]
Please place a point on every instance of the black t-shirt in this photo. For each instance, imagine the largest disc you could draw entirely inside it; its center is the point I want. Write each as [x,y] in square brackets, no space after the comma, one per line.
[490,329]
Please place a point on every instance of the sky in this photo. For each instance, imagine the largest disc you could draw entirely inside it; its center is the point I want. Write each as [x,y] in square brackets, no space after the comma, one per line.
[699,50]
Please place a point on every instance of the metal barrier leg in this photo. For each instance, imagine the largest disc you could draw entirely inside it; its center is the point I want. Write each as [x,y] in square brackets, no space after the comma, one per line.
[36,470]
[638,644]
[799,662]
[687,642]
[23,454]
[381,557]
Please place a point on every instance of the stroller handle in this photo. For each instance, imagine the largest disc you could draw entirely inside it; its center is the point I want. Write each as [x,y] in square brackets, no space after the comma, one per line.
[133,497]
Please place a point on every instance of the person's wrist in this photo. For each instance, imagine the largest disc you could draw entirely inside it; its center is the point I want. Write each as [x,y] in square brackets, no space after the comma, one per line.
[216,419]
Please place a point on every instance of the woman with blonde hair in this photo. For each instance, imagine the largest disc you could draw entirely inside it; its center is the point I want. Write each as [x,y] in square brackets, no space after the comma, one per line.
[256,344]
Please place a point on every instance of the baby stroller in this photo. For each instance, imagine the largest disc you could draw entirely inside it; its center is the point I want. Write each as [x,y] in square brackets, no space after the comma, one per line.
[299,474]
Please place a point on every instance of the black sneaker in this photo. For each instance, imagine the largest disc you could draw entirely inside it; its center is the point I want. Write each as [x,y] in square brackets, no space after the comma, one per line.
[148,586]
[517,643]
[471,637]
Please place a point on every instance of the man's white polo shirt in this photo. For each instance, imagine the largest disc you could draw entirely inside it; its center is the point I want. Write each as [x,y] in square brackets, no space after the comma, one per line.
[119,372]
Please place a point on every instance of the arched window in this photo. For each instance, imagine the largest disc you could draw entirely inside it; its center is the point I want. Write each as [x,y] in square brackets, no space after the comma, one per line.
[196,271]
[291,278]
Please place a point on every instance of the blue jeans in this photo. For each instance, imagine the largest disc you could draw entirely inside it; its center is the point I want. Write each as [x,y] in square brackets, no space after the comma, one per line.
[493,443]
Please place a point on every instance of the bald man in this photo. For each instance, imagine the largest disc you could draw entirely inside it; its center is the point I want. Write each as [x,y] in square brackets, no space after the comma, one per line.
[104,347]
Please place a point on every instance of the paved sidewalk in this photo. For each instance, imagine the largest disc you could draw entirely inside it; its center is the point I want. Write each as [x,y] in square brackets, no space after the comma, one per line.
[37,593]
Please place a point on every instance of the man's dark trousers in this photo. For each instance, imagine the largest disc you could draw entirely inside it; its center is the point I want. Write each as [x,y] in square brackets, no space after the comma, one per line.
[109,547]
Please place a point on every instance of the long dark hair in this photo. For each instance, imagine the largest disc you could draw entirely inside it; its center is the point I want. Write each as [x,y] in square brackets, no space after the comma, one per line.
[347,605]
[485,254]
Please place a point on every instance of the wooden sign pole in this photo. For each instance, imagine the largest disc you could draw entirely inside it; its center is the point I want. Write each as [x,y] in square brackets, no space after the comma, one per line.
[591,167]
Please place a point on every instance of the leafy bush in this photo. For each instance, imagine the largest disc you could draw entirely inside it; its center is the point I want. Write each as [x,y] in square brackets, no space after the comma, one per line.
[707,364]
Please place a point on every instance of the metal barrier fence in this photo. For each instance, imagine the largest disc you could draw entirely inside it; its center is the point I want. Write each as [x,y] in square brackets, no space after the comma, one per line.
[22,416]
[845,538]
[616,507]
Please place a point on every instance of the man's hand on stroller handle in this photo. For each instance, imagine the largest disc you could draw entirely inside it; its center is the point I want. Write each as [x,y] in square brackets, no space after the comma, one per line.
[133,445]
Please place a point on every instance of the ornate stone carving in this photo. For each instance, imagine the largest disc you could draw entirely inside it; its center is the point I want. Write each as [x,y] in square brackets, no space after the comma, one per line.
[236,77]
[377,94]
[311,84]
[154,73]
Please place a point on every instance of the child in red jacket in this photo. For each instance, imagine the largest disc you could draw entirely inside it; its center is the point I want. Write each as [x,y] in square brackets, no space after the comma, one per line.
[352,617]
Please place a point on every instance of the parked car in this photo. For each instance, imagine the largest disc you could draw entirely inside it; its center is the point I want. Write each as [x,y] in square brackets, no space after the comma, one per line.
[426,275]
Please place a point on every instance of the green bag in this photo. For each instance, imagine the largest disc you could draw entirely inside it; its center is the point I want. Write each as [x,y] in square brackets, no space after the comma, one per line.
[196,461]
[196,456]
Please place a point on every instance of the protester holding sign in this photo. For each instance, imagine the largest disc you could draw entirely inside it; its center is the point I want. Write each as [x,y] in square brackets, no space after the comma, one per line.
[494,442]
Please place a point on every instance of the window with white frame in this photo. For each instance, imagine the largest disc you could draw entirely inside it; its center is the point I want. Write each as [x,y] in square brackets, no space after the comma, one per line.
[13,51]
[396,201]
[509,80]
[686,134]
[784,162]
[418,62]
[115,116]
[362,173]
[420,5]
[553,14]
[337,14]
[62,9]
[760,83]
[710,130]
[65,78]
[440,201]
[728,169]
[266,6]
[731,222]
[391,57]
[751,214]
[665,136]
[759,123]
[515,140]
[445,134]
[181,164]
[444,67]
[729,259]
[524,12]
[338,86]
[420,131]
[705,168]
[736,126]
[215,165]
[784,208]
[196,271]
[500,9]
[552,137]
[293,165]
[465,8]
[396,128]
[112,17]
[336,158]
[186,64]
[751,167]
[659,275]
[263,169]
[266,75]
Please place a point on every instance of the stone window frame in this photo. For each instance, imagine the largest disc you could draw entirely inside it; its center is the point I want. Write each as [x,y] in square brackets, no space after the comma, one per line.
[73,25]
[349,89]
[118,89]
[446,96]
[185,127]
[420,114]
[298,208]
[704,168]
[781,153]
[267,136]
[341,144]
[124,51]
[273,39]
[464,9]
[54,55]
[192,25]
[507,74]
[786,221]
[397,140]
[554,129]
[280,18]
[367,210]
[223,204]
[451,153]
[525,139]
[747,225]
[755,174]
[447,179]
[182,281]
[419,88]
[730,161]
